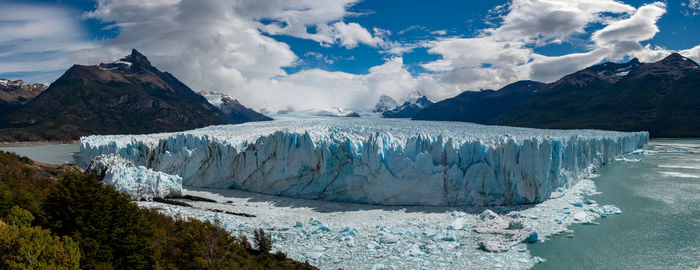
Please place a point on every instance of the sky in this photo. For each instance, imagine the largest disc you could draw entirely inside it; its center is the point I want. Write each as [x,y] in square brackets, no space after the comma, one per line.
[322,54]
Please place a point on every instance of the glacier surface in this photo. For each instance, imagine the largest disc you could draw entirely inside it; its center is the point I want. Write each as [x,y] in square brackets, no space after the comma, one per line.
[375,161]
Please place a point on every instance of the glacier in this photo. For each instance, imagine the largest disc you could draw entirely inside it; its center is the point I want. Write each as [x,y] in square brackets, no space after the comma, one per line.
[375,161]
[138,182]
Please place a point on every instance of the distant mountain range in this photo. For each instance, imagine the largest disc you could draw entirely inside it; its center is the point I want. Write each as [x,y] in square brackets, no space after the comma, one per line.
[14,94]
[233,108]
[662,98]
[408,109]
[128,96]
[482,106]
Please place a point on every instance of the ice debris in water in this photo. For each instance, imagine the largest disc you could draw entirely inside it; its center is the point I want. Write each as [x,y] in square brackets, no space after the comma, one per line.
[137,181]
[375,161]
[429,240]
[508,232]
[606,210]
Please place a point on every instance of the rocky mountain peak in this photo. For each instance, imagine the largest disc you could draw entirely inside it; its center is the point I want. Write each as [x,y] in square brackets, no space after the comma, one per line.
[385,103]
[673,66]
[133,63]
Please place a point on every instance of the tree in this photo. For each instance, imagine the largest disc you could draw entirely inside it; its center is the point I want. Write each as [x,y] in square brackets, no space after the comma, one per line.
[19,217]
[34,248]
[109,227]
[262,240]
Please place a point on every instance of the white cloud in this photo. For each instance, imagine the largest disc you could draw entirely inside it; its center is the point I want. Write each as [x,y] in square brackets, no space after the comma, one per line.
[350,34]
[220,45]
[542,21]
[692,53]
[693,5]
[293,18]
[505,54]
[35,39]
[224,46]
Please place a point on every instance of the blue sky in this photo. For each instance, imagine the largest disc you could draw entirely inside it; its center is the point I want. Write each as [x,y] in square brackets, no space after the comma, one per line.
[343,53]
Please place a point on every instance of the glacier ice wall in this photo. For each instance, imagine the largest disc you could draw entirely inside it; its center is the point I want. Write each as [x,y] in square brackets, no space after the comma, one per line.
[137,181]
[375,161]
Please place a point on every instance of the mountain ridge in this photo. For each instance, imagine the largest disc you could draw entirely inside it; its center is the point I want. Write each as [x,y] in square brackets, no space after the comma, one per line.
[660,97]
[128,96]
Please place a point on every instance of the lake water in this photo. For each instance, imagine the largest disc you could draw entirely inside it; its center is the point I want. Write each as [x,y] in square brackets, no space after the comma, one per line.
[659,197]
[660,223]
[52,154]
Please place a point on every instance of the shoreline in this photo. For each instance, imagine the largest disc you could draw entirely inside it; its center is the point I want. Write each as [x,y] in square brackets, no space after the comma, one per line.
[36,143]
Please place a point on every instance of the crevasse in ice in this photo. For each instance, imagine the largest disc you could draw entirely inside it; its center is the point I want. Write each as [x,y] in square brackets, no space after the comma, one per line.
[375,161]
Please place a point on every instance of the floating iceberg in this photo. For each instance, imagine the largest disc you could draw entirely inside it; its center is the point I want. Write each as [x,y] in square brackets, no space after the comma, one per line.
[375,161]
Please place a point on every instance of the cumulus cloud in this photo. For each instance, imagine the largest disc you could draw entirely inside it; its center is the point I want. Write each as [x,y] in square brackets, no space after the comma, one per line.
[221,45]
[553,21]
[505,53]
[225,45]
[295,18]
[35,39]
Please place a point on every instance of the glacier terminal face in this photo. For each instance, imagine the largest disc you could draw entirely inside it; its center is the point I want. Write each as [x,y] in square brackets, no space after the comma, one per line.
[139,182]
[375,161]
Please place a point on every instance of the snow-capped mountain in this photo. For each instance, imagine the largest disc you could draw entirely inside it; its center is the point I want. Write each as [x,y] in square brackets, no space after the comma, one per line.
[660,97]
[409,108]
[14,94]
[232,107]
[126,96]
[385,103]
[335,112]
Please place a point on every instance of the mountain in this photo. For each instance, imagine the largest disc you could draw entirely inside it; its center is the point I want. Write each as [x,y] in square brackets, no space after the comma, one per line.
[662,98]
[128,96]
[14,94]
[233,108]
[608,72]
[333,112]
[386,103]
[482,106]
[409,108]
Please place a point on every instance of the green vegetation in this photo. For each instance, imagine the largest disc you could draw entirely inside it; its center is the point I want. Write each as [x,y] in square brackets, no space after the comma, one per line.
[262,241]
[81,223]
[26,247]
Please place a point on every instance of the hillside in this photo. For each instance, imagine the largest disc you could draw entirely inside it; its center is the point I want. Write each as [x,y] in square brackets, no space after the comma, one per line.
[662,98]
[76,222]
[14,94]
[481,107]
[128,96]
[233,108]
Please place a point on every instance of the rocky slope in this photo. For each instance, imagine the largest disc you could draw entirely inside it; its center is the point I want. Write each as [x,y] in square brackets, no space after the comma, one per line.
[409,108]
[481,107]
[662,98]
[128,96]
[14,94]
[233,108]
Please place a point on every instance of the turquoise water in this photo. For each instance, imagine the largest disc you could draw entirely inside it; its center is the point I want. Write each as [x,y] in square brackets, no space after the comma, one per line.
[52,154]
[659,197]
[660,223]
